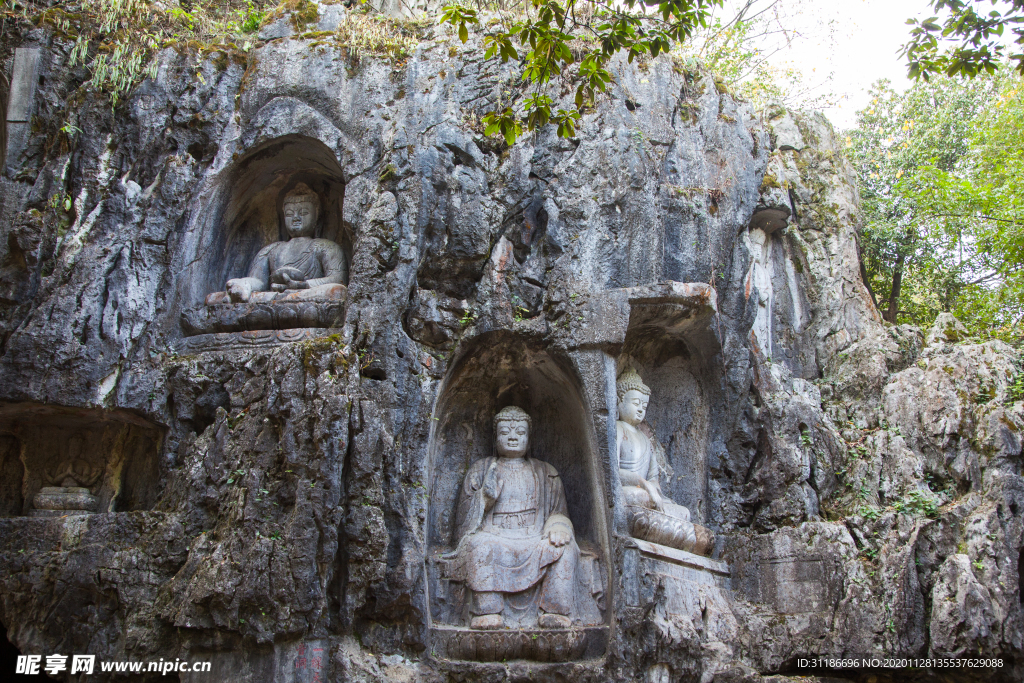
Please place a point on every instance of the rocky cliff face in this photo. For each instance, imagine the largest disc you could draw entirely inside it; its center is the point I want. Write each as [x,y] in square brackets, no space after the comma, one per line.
[279,492]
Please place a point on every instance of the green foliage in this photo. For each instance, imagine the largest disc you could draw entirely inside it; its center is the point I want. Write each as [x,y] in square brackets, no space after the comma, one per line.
[116,40]
[1015,392]
[967,42]
[918,502]
[252,19]
[939,169]
[574,39]
[869,512]
[373,34]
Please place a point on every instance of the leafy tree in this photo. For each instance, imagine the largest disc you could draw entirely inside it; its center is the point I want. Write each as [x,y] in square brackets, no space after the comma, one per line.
[941,168]
[968,41]
[984,197]
[916,260]
[575,38]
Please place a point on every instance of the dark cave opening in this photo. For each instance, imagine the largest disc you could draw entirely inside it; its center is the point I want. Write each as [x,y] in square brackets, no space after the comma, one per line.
[9,661]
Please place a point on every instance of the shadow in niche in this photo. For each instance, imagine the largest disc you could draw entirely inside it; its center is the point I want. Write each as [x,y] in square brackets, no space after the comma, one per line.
[9,660]
[496,371]
[110,458]
[243,215]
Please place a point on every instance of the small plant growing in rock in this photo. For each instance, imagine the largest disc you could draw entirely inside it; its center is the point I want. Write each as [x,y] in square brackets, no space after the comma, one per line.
[1015,392]
[869,512]
[251,18]
[918,502]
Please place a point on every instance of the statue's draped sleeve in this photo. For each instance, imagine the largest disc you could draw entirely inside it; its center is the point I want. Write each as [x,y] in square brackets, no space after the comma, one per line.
[469,514]
[557,510]
[259,271]
[332,263]
[659,463]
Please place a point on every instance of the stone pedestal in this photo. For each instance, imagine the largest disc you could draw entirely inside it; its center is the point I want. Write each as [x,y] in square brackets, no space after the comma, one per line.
[689,587]
[58,501]
[279,314]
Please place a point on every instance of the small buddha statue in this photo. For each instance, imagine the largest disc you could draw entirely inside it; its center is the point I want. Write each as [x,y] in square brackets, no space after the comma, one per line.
[517,554]
[300,268]
[653,517]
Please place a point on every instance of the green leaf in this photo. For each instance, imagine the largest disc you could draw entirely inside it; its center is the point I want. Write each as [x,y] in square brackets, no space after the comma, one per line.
[463,32]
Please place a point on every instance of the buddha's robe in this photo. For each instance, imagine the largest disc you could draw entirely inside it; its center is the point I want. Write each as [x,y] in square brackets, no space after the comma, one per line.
[504,549]
[319,262]
[636,455]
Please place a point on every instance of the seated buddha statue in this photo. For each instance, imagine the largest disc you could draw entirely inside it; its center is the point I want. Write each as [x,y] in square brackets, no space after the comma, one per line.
[652,515]
[300,268]
[517,553]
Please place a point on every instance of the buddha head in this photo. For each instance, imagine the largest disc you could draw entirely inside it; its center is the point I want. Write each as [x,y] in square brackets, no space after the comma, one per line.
[633,397]
[301,208]
[512,432]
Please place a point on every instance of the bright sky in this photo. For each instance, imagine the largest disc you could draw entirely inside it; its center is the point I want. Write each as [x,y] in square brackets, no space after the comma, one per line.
[854,40]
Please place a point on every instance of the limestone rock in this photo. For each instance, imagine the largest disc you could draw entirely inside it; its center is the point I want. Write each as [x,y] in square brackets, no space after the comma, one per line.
[282,490]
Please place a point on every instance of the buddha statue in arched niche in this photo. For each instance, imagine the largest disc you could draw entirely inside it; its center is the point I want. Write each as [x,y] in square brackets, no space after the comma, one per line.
[516,552]
[301,268]
[652,515]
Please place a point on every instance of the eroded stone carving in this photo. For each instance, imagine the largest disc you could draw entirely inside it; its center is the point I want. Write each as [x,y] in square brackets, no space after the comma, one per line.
[68,492]
[652,516]
[302,268]
[516,551]
[71,494]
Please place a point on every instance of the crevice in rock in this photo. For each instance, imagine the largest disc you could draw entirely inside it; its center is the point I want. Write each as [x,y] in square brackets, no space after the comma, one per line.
[1020,576]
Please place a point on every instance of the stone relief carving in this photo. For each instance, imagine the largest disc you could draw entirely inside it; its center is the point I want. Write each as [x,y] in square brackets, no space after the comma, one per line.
[68,490]
[652,515]
[294,283]
[516,552]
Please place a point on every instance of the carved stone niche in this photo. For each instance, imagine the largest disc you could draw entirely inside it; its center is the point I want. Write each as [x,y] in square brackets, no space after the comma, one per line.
[244,228]
[670,347]
[57,461]
[498,370]
[670,343]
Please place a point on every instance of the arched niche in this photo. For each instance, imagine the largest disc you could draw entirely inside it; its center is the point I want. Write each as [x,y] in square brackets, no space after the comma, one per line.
[680,364]
[497,370]
[243,212]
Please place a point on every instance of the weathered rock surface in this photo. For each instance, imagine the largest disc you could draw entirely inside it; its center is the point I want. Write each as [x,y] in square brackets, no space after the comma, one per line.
[864,482]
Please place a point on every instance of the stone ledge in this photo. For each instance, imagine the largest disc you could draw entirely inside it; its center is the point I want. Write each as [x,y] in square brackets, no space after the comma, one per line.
[681,557]
[683,309]
[252,339]
[539,645]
